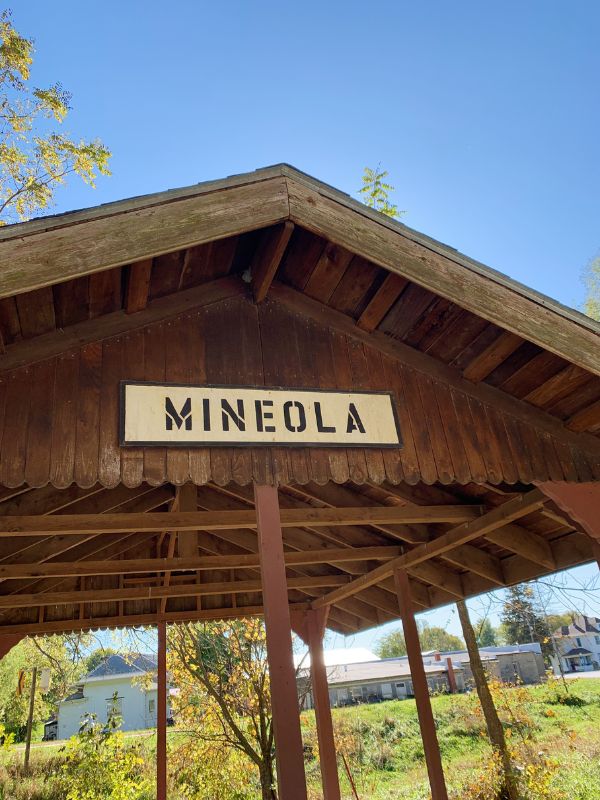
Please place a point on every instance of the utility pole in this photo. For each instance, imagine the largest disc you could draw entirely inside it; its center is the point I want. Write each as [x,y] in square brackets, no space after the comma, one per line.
[30,718]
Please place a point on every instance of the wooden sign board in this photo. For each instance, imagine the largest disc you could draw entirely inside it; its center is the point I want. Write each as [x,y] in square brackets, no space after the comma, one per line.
[175,415]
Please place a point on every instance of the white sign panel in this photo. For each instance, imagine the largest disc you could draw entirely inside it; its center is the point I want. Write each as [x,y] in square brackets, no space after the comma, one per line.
[176,415]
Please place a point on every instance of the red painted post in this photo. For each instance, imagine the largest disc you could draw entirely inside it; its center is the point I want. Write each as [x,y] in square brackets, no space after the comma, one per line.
[161,714]
[8,641]
[451,676]
[315,623]
[421,690]
[291,779]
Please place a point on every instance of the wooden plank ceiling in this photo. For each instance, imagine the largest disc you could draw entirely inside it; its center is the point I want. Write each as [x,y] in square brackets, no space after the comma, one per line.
[58,572]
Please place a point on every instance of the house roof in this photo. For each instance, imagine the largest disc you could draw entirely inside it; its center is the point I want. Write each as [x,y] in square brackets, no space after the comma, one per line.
[581,625]
[115,664]
[384,670]
[577,651]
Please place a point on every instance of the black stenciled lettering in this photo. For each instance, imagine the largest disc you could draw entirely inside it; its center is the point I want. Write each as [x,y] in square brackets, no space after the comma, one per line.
[319,416]
[287,407]
[354,420]
[179,418]
[262,414]
[206,413]
[230,415]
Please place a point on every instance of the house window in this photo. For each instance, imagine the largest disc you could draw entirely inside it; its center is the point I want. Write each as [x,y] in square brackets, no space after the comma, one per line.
[597,639]
[151,706]
[578,640]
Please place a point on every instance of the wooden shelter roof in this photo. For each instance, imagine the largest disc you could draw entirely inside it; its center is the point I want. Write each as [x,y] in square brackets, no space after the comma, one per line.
[273,278]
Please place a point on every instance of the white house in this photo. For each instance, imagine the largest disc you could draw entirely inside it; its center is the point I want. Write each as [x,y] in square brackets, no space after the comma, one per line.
[578,645]
[136,697]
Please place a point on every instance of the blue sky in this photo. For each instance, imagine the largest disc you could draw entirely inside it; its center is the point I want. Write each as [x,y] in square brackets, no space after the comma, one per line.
[485,114]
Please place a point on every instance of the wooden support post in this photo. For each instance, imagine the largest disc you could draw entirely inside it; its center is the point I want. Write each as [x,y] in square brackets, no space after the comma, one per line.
[315,624]
[421,690]
[291,779]
[161,715]
[451,676]
[8,641]
[30,718]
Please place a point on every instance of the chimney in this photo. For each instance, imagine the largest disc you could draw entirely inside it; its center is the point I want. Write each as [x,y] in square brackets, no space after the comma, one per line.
[451,676]
[437,656]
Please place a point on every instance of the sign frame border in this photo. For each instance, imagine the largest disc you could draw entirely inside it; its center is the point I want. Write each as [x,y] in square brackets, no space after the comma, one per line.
[196,444]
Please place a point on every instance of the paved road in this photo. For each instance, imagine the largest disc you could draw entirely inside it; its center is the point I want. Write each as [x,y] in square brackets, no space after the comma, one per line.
[576,675]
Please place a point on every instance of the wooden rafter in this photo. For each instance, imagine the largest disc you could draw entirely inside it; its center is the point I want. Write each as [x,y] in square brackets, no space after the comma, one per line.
[75,524]
[268,258]
[467,532]
[235,561]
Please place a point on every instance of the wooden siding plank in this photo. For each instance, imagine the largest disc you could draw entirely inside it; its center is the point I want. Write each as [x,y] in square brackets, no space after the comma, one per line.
[14,440]
[105,292]
[71,301]
[422,438]
[109,468]
[36,312]
[477,466]
[88,415]
[132,458]
[199,456]
[177,371]
[437,436]
[37,465]
[64,420]
[155,458]
[454,432]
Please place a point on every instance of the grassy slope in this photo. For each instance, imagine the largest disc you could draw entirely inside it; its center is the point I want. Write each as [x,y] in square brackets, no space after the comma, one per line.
[383,744]
[386,755]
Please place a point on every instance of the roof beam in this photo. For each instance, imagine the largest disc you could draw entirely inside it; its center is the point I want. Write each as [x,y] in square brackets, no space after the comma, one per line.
[46,257]
[36,600]
[524,543]
[156,522]
[383,299]
[531,415]
[332,555]
[267,258]
[138,284]
[395,248]
[493,355]
[128,620]
[467,532]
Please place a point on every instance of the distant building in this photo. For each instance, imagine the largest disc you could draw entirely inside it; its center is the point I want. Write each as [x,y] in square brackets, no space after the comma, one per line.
[136,698]
[389,678]
[578,645]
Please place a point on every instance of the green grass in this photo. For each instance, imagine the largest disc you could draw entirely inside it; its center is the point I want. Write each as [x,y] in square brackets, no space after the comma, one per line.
[383,746]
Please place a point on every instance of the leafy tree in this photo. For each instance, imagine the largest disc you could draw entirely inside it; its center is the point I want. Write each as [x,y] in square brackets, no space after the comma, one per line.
[375,192]
[35,158]
[99,765]
[392,645]
[522,620]
[224,700]
[432,637]
[591,278]
[96,657]
[63,655]
[556,621]
[485,633]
